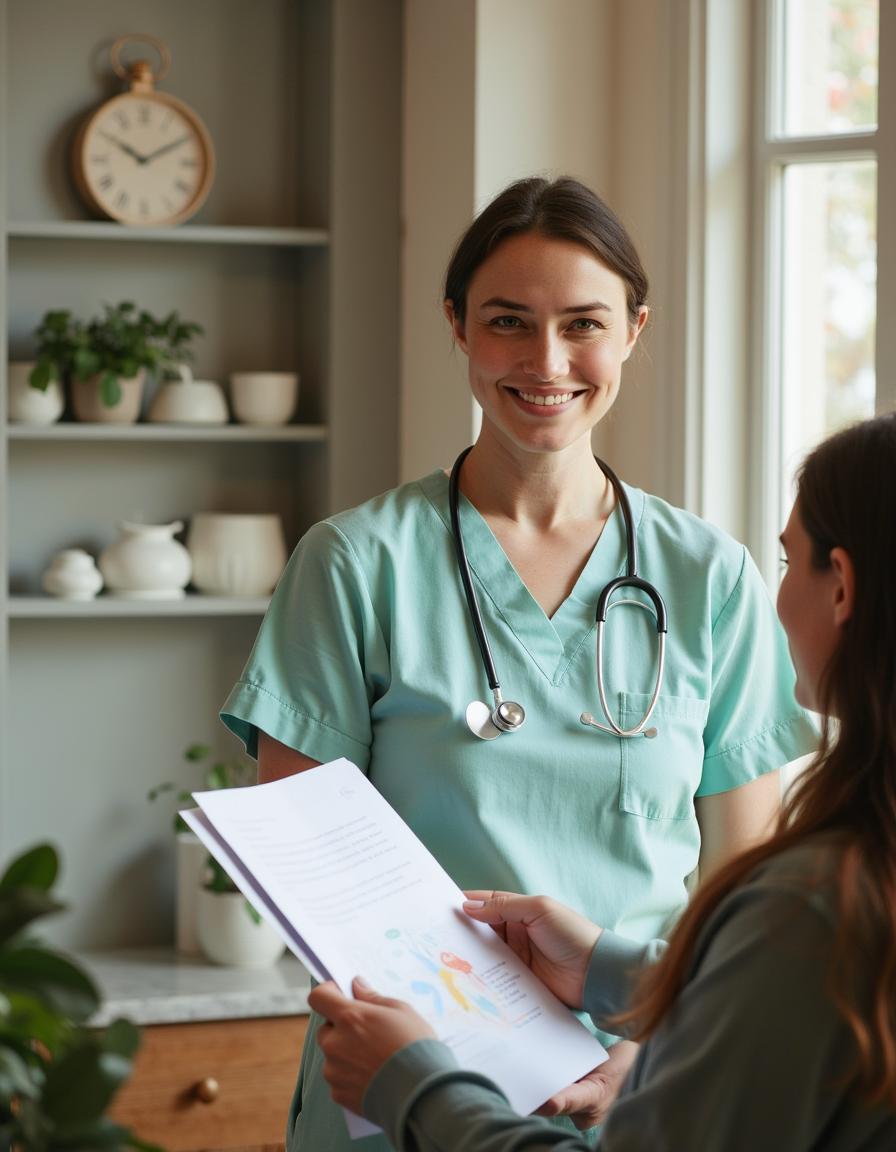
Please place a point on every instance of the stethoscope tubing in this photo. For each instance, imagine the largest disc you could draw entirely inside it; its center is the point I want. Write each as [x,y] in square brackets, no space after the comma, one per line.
[631,579]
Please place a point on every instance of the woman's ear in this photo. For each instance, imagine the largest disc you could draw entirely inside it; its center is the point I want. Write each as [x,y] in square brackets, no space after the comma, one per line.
[844,585]
[634,330]
[457,327]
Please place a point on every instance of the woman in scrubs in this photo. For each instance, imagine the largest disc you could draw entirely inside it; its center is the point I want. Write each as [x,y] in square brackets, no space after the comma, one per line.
[367,650]
[770,1022]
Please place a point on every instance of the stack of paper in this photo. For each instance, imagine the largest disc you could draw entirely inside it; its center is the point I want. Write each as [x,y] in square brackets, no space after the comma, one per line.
[323,857]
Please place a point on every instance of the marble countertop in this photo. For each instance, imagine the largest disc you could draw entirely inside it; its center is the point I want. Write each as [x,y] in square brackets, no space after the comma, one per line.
[159,986]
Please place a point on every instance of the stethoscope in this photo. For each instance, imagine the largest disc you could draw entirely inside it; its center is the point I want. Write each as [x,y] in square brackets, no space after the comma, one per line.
[508,715]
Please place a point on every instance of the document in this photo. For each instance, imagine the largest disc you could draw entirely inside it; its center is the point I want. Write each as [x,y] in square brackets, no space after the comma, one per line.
[325,859]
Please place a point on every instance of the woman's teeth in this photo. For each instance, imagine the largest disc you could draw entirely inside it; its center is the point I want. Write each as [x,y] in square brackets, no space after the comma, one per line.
[532,398]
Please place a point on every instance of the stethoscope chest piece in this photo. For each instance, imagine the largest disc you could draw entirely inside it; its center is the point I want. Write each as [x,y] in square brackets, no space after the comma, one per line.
[487,723]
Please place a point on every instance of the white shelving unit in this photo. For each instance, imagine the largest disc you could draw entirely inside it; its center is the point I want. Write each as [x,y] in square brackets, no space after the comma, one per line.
[292,263]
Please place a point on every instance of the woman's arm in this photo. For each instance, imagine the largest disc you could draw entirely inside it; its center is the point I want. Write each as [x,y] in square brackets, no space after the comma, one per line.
[276,760]
[730,822]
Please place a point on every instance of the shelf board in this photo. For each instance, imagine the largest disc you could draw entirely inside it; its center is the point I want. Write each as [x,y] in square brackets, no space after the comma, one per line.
[165,433]
[187,234]
[105,607]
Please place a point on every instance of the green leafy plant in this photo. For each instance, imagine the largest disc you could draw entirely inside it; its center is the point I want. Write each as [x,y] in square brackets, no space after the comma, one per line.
[57,1077]
[218,774]
[113,346]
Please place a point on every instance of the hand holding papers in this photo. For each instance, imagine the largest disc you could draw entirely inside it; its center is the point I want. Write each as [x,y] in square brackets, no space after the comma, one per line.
[324,858]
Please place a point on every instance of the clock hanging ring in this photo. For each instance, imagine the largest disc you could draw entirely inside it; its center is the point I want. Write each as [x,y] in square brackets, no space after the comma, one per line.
[143,158]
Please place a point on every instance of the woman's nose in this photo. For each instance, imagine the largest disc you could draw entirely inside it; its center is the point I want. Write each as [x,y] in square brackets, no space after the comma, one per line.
[547,359]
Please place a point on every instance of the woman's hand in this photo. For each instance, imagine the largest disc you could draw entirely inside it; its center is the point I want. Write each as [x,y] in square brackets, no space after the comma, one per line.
[588,1101]
[551,939]
[360,1035]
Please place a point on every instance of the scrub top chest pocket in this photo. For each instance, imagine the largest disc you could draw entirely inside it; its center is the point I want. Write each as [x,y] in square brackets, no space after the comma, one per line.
[659,778]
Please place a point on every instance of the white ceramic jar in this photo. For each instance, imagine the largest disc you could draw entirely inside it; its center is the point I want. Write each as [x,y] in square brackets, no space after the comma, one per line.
[147,563]
[27,405]
[188,401]
[236,553]
[72,575]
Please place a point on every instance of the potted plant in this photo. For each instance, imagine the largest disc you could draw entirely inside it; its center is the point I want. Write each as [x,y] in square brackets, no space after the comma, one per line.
[57,1077]
[106,359]
[212,914]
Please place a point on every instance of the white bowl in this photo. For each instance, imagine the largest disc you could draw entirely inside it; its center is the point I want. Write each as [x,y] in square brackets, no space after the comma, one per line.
[188,402]
[264,397]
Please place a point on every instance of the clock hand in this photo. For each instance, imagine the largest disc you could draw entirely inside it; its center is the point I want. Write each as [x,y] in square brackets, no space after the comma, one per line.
[124,147]
[165,148]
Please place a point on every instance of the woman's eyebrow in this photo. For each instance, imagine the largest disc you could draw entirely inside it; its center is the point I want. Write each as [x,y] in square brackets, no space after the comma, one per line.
[514,306]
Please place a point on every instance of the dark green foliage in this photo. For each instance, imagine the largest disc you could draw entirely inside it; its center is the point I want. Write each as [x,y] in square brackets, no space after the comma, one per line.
[57,1077]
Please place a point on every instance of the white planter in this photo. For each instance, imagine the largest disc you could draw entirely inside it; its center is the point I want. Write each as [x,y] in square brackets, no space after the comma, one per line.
[190,866]
[230,935]
[147,563]
[27,405]
[72,575]
[236,554]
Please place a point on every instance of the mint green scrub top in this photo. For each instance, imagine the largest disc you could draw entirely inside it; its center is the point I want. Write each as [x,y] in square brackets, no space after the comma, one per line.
[367,652]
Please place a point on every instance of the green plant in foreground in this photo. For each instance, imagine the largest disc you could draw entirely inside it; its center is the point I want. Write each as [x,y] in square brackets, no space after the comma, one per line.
[113,346]
[57,1077]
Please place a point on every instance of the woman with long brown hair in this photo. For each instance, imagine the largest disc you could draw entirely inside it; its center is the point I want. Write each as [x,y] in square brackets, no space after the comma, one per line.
[770,1020]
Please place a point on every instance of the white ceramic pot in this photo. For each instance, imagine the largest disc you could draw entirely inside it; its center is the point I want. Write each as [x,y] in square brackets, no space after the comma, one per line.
[88,406]
[264,397]
[27,405]
[188,401]
[236,553]
[229,934]
[190,866]
[147,563]
[72,575]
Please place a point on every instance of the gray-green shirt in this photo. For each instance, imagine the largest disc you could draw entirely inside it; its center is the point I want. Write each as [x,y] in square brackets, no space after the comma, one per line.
[752,1057]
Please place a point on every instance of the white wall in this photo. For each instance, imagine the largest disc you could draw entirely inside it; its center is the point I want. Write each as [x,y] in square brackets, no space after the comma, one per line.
[495,90]
[596,88]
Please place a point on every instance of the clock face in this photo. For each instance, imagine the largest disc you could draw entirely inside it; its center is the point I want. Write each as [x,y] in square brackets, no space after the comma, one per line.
[144,159]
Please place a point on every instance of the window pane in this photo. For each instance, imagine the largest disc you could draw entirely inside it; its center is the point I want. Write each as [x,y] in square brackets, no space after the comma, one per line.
[829,63]
[829,250]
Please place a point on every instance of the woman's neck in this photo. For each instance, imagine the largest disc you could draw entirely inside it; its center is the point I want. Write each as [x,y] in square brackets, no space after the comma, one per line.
[536,490]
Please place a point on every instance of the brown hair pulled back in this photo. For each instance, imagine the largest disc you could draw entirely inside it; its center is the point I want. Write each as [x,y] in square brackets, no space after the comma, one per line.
[563,209]
[846,498]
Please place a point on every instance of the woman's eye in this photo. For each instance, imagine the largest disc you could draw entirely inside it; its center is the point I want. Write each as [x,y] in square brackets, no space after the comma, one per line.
[585,324]
[506,322]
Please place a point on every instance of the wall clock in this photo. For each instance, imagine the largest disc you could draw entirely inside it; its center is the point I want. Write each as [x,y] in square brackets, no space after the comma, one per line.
[144,158]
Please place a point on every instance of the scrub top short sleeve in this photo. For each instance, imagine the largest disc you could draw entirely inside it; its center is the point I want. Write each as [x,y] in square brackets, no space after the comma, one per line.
[332,645]
[751,675]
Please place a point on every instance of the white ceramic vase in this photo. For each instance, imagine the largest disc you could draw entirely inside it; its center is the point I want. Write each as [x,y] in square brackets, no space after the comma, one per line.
[190,867]
[27,405]
[72,575]
[236,553]
[231,935]
[147,563]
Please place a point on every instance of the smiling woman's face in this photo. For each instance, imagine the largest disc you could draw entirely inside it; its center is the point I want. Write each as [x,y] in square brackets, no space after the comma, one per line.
[546,334]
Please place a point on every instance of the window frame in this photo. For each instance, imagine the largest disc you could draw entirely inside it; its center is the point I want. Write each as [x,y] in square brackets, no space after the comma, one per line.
[772,155]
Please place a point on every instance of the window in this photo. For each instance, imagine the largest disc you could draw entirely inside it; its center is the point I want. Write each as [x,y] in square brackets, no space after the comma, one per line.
[819,181]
